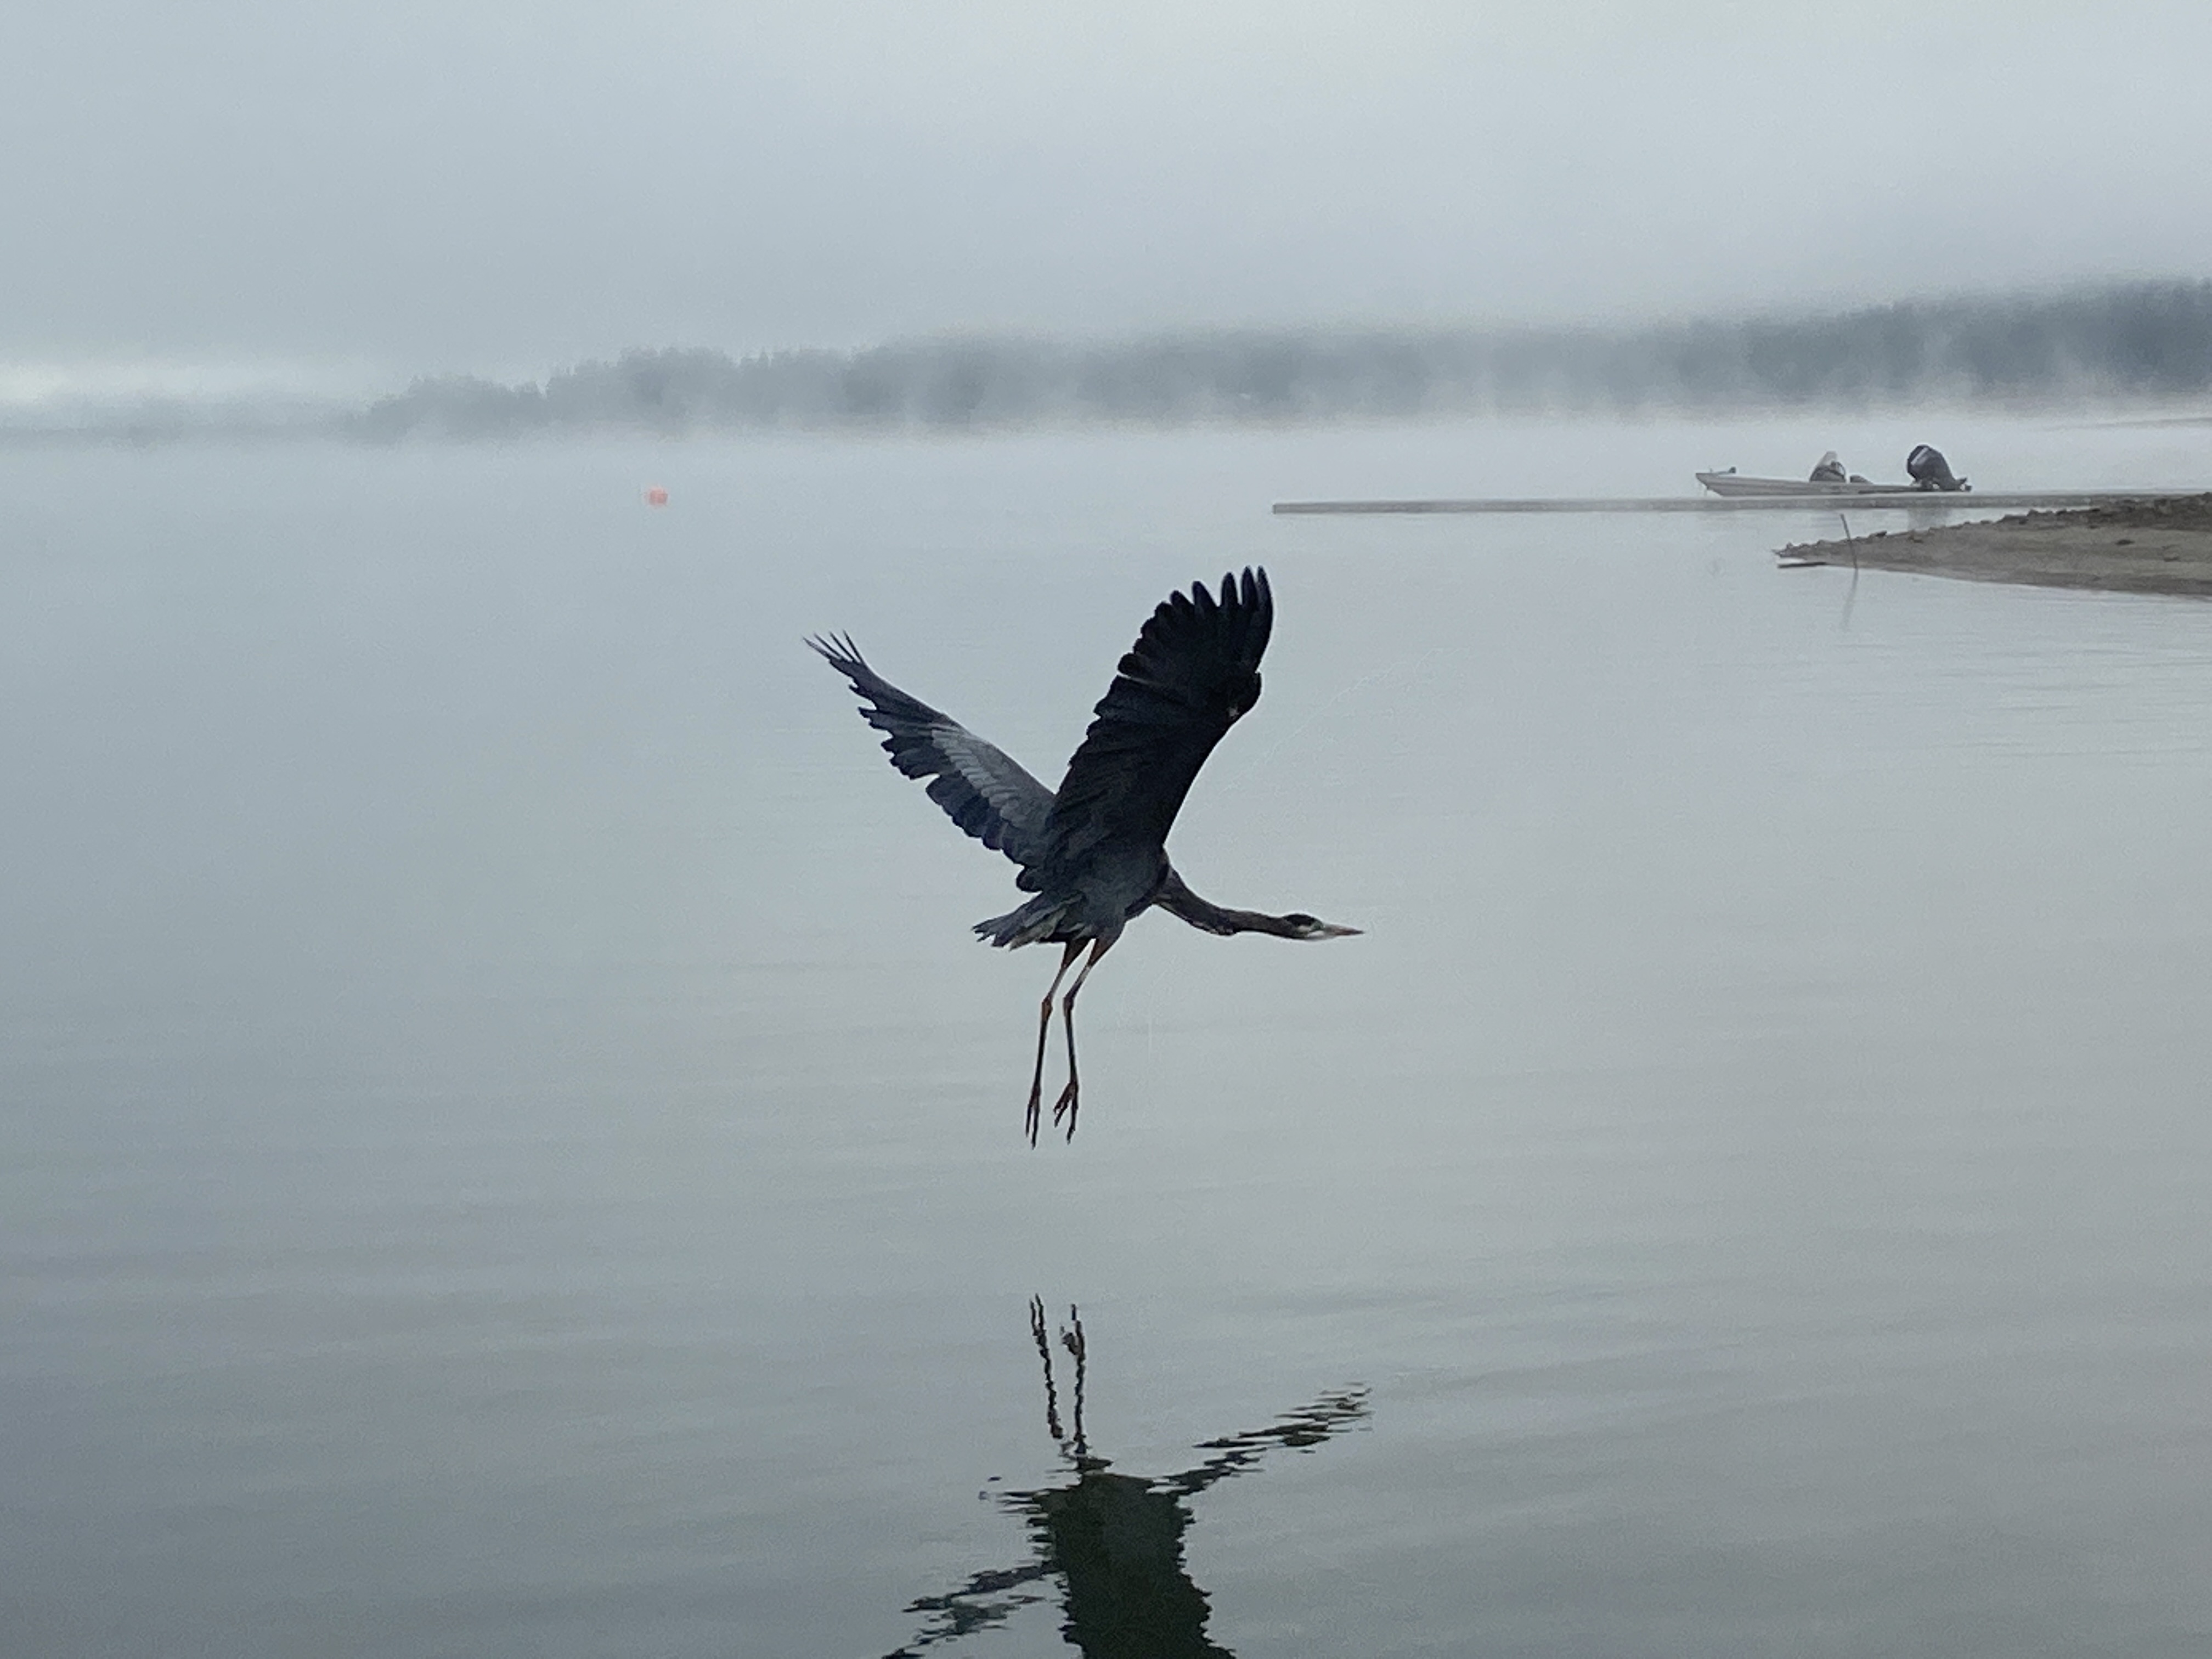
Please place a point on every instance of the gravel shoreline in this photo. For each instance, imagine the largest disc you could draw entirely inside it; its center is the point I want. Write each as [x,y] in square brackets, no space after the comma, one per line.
[2150,546]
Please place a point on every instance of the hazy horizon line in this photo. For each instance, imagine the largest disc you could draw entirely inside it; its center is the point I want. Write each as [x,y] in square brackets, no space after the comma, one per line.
[2124,340]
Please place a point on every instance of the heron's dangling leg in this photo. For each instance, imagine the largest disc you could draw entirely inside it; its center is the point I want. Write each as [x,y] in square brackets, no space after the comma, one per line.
[1071,1340]
[1066,1103]
[1044,1029]
[1044,1353]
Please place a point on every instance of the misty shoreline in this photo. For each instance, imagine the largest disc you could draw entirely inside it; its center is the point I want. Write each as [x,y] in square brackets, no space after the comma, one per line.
[2140,350]
[2162,547]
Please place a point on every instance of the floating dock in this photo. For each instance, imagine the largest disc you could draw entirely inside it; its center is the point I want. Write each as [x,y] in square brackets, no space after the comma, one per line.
[1908,501]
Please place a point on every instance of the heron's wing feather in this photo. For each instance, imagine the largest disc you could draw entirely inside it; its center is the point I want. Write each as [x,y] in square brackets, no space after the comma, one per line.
[980,789]
[1193,671]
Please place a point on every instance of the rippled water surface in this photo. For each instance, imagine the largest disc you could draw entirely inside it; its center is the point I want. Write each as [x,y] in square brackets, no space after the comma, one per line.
[508,1148]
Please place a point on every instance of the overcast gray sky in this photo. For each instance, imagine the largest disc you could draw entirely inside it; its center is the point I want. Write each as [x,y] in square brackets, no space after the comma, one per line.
[505,186]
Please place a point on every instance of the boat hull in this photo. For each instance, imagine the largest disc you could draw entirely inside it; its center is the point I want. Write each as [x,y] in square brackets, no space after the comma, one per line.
[1735,484]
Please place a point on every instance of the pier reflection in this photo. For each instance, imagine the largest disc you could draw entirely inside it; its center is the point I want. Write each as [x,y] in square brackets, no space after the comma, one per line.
[1107,1544]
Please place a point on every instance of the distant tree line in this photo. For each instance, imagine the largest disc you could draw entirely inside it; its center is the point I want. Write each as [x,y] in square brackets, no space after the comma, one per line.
[2133,341]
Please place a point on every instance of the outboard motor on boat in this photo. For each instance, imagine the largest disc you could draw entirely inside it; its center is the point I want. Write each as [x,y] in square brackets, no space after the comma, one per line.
[1930,470]
[1830,470]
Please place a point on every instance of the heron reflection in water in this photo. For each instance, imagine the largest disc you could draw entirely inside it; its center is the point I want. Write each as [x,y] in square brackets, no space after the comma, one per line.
[1114,1541]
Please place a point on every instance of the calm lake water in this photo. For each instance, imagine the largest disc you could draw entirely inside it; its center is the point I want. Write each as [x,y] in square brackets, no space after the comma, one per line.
[508,1148]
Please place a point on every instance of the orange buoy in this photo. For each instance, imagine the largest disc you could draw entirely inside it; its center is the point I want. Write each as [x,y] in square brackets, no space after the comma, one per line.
[656,496]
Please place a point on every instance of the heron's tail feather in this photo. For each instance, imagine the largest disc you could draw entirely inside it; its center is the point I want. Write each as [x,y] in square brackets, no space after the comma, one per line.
[1037,920]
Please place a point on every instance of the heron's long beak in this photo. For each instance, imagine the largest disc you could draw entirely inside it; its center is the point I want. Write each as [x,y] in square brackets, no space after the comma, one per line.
[1330,929]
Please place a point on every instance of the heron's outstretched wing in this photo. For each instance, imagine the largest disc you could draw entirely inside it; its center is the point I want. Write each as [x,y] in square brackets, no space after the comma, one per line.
[980,787]
[1193,671]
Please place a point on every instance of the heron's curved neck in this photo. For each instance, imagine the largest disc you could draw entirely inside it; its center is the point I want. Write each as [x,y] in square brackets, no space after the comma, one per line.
[1178,900]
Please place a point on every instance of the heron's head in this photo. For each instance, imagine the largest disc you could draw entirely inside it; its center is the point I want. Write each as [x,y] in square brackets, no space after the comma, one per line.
[1305,927]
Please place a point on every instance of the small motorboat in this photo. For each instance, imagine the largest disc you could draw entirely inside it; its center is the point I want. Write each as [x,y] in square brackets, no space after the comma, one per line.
[1734,483]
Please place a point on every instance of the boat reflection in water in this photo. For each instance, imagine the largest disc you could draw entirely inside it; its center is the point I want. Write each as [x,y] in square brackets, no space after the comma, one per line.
[1114,1541]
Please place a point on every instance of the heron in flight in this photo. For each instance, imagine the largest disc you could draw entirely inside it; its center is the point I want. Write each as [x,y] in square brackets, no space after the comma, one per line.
[1094,852]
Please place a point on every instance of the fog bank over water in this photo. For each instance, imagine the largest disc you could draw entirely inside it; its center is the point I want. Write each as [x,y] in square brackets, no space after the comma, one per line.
[2132,345]
[2140,341]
